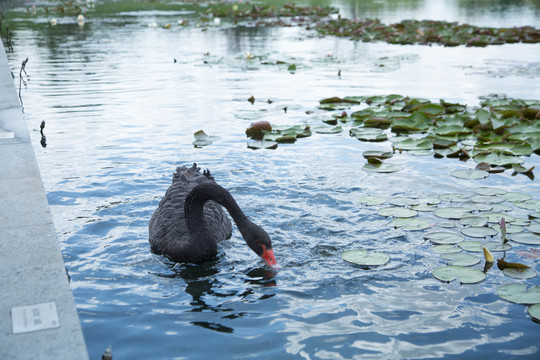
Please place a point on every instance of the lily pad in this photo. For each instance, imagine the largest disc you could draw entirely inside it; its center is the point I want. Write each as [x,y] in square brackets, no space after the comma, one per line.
[495,217]
[478,231]
[453,213]
[516,196]
[365,258]
[372,200]
[528,238]
[382,168]
[463,274]
[397,211]
[403,201]
[529,205]
[534,311]
[498,159]
[264,144]
[476,246]
[445,249]
[488,199]
[520,273]
[410,224]
[444,237]
[535,228]
[377,154]
[517,293]
[489,191]
[461,259]
[470,174]
[202,139]
[474,220]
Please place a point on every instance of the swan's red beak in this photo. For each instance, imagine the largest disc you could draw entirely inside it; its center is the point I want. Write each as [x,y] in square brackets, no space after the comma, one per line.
[268,256]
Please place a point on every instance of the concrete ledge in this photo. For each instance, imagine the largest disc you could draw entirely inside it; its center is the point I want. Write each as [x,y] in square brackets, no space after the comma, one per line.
[38,317]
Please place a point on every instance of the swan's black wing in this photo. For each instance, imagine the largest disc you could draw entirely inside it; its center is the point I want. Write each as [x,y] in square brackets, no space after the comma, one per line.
[167,228]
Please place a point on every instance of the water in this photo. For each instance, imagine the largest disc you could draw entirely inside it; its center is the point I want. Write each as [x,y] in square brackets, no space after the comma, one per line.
[122,98]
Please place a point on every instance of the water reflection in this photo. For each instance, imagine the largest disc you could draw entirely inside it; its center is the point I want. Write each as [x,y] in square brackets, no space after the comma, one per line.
[120,116]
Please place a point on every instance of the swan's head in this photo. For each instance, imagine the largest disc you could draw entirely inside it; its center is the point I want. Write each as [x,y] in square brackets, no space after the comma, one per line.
[259,241]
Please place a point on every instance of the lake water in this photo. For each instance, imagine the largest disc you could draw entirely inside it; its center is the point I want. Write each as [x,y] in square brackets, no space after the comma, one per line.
[122,96]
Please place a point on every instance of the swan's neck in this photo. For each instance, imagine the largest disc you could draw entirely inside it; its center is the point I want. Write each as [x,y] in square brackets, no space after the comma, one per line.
[194,212]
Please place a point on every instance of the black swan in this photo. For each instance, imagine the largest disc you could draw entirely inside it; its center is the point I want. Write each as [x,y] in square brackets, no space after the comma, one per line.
[189,220]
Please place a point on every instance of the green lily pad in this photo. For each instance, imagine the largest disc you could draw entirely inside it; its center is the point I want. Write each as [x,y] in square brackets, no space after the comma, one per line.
[202,139]
[516,273]
[473,221]
[365,258]
[410,224]
[489,191]
[403,201]
[476,246]
[517,293]
[461,259]
[423,207]
[534,311]
[534,228]
[454,197]
[445,249]
[397,211]
[372,200]
[516,196]
[368,134]
[495,217]
[444,238]
[529,205]
[477,206]
[498,159]
[453,213]
[382,168]
[488,199]
[264,144]
[478,231]
[413,144]
[463,274]
[528,238]
[378,154]
[470,174]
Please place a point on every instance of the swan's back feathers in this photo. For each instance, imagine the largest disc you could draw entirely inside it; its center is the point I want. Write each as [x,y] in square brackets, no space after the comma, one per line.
[168,229]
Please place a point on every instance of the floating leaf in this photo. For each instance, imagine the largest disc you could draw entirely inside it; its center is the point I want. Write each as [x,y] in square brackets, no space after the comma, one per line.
[534,311]
[495,217]
[529,205]
[528,238]
[478,231]
[377,154]
[445,249]
[454,213]
[365,258]
[368,134]
[443,237]
[489,191]
[504,265]
[474,220]
[461,259]
[263,144]
[520,273]
[516,196]
[202,139]
[476,246]
[470,174]
[397,211]
[403,201]
[463,274]
[535,228]
[517,293]
[488,199]
[383,168]
[410,224]
[498,159]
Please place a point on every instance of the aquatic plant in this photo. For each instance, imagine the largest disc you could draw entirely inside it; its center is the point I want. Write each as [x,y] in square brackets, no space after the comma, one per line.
[427,32]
